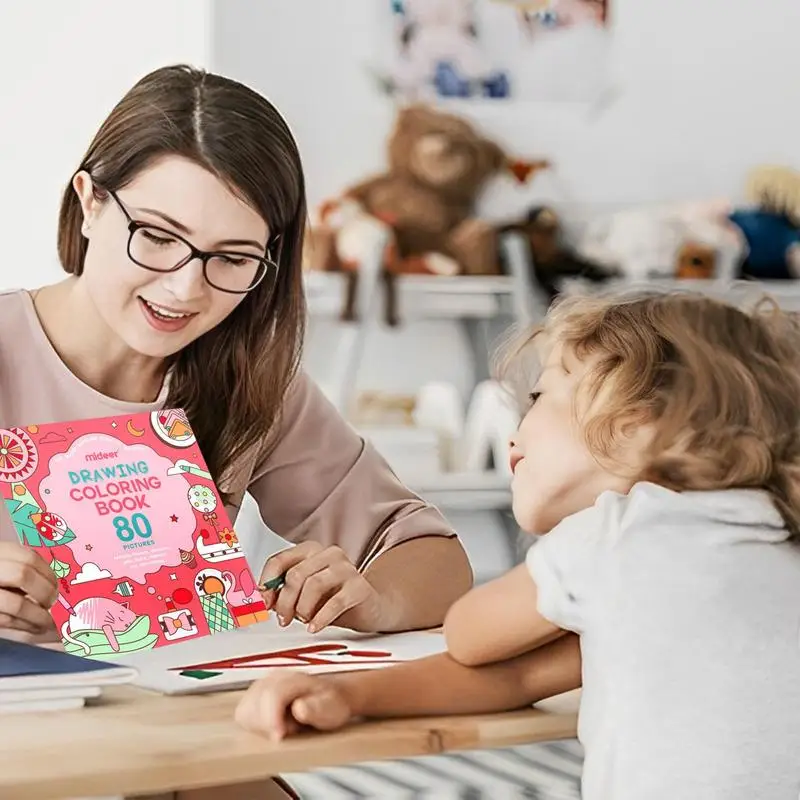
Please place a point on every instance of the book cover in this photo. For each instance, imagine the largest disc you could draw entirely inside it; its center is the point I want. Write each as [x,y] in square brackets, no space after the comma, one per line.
[126,514]
[27,668]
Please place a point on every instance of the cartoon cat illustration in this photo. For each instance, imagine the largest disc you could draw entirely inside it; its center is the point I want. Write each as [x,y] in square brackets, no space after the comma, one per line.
[98,614]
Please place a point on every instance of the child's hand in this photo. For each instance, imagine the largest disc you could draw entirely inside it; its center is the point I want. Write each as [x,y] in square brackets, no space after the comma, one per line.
[279,705]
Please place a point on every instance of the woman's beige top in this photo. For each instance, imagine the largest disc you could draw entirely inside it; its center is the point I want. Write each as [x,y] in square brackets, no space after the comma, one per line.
[321,481]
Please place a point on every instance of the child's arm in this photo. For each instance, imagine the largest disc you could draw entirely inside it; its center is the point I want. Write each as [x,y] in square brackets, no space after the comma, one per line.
[497,621]
[438,685]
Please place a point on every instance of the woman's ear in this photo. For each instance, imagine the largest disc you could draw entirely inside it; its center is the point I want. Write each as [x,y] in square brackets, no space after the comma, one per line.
[83,187]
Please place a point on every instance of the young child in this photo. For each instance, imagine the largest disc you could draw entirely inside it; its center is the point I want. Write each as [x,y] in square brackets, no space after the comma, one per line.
[660,455]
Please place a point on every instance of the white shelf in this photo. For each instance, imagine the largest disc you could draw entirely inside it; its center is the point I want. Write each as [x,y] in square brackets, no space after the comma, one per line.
[317,281]
[421,295]
[785,293]
[459,285]
[463,297]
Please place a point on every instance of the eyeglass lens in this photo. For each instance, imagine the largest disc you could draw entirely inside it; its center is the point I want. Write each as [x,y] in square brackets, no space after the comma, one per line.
[155,249]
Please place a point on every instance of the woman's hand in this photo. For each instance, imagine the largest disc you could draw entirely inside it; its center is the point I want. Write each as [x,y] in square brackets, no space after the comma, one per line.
[28,588]
[321,586]
[282,704]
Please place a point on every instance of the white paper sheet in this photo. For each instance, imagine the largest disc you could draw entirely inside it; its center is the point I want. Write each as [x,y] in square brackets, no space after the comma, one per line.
[266,645]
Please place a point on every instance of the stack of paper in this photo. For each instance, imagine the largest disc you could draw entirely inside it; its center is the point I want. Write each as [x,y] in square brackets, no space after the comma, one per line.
[40,679]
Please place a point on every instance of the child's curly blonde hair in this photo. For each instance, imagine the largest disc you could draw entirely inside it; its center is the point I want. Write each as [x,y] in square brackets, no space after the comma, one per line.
[720,384]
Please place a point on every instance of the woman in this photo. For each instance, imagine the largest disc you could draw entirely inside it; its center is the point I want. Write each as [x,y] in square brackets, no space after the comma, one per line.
[181,232]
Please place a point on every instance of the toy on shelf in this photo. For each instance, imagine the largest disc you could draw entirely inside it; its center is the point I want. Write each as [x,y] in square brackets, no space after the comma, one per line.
[548,15]
[704,240]
[426,199]
[491,419]
[384,408]
[443,438]
[770,228]
[551,259]
[696,261]
[440,55]
[686,240]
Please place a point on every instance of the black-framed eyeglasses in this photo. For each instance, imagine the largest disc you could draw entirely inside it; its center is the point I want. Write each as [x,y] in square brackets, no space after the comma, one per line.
[161,250]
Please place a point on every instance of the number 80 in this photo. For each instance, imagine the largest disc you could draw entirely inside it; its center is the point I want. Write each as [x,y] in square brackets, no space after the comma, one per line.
[138,525]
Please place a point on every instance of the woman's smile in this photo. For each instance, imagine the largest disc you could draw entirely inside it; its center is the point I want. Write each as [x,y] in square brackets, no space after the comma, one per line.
[163,318]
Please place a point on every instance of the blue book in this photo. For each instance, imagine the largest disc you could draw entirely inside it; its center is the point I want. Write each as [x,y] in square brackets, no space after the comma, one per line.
[30,667]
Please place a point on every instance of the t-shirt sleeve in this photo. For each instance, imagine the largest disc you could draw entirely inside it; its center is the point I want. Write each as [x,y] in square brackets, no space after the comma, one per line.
[322,481]
[569,563]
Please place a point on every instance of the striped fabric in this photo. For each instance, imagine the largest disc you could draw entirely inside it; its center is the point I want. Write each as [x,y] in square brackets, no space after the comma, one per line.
[549,771]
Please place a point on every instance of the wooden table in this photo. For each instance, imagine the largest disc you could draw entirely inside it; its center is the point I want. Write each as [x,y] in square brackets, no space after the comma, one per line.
[136,742]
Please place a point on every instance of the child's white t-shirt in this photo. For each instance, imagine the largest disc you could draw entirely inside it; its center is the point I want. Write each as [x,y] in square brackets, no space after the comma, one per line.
[688,607]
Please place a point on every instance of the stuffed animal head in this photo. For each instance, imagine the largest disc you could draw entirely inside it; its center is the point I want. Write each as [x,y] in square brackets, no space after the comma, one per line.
[696,261]
[777,190]
[446,153]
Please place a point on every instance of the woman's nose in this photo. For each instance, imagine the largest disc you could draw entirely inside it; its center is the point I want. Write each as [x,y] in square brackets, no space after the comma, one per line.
[187,283]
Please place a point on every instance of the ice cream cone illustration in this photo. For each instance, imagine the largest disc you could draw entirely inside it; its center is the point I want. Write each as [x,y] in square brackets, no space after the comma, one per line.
[188,558]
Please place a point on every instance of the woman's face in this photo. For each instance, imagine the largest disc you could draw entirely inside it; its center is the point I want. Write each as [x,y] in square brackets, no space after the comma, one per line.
[158,313]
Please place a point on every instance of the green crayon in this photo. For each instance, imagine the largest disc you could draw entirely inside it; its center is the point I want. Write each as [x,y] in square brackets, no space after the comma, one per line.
[274,584]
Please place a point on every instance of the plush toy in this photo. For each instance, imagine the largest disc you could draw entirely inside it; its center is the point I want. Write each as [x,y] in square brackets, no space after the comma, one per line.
[440,54]
[539,15]
[662,241]
[384,408]
[438,166]
[551,259]
[696,261]
[770,228]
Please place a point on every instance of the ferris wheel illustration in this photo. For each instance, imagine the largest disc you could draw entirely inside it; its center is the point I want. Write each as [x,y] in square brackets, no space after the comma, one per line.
[18,456]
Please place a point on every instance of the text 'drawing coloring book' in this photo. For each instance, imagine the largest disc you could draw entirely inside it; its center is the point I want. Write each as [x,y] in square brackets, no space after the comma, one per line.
[126,514]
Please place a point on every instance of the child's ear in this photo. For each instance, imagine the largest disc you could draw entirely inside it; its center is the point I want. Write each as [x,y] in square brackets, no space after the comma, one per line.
[636,439]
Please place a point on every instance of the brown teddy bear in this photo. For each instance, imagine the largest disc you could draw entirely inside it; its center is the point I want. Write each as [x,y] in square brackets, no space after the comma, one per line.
[438,166]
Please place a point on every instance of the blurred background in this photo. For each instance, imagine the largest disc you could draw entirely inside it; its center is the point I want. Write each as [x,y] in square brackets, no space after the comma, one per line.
[653,117]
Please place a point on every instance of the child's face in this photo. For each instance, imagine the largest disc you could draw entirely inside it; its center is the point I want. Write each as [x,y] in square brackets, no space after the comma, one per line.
[555,474]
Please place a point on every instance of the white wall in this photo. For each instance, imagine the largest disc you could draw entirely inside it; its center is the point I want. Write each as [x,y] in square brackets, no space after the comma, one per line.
[63,66]
[309,58]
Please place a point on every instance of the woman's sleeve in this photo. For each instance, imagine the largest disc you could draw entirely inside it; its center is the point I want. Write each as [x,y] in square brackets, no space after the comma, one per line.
[322,481]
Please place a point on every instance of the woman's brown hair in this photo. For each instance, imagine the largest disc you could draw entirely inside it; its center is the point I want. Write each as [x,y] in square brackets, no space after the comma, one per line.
[231,381]
[720,386]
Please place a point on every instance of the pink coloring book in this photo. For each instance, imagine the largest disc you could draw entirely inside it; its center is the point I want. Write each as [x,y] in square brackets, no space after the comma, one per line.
[126,514]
